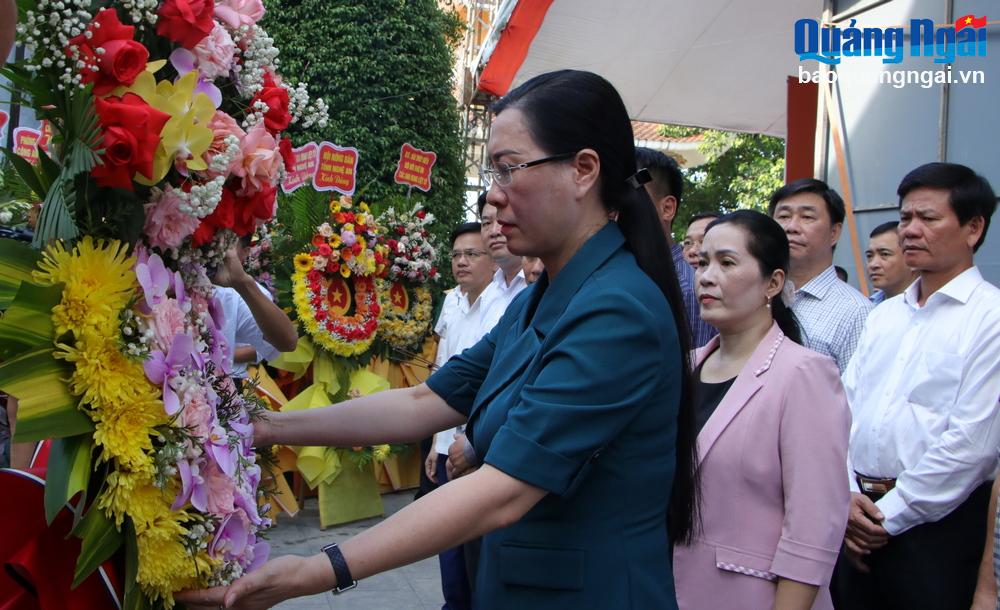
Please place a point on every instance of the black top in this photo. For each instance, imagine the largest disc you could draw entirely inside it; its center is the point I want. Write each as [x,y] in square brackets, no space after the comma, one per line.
[707,397]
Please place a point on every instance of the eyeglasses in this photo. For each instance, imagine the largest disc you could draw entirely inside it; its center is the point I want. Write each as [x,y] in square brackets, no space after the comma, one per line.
[502,174]
[472,255]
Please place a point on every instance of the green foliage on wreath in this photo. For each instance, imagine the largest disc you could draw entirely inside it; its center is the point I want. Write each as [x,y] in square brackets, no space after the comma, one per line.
[385,68]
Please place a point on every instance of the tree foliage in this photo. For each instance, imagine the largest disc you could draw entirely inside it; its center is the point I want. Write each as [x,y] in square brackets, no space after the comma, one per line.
[742,172]
[385,69]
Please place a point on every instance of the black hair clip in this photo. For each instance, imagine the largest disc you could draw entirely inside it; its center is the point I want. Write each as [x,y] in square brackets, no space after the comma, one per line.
[639,178]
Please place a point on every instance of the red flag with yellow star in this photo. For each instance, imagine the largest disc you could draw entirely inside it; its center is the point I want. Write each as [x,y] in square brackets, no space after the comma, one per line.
[970,21]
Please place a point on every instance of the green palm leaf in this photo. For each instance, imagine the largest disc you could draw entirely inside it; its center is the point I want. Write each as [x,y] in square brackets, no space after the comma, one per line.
[27,323]
[46,408]
[17,261]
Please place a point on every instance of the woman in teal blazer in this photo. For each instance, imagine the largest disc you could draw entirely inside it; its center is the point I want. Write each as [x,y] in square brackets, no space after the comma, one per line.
[576,402]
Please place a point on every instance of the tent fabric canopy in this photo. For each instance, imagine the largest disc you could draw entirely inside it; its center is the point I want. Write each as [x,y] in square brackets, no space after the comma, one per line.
[721,64]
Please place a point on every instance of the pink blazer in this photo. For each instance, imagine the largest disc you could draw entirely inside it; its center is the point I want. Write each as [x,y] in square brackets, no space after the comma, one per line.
[775,492]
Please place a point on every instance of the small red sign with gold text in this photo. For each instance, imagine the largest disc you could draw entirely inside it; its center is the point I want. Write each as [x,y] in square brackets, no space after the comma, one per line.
[414,168]
[336,169]
[302,172]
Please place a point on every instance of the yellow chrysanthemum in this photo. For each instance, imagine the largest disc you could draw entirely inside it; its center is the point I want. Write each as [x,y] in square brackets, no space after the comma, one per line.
[120,486]
[126,436]
[303,262]
[165,565]
[345,271]
[104,377]
[98,279]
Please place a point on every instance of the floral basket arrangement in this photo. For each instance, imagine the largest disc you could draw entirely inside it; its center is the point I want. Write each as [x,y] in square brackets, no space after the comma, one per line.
[168,119]
[404,293]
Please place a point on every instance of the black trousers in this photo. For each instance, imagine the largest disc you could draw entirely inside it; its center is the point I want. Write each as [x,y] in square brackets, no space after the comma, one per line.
[932,566]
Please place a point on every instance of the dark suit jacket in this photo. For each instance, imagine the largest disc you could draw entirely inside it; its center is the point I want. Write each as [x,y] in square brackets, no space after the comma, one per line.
[576,391]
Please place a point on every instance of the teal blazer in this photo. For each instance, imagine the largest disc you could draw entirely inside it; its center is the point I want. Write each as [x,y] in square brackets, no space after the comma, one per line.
[576,391]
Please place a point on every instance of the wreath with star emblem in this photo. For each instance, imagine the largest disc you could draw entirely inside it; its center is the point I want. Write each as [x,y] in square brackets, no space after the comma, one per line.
[404,294]
[333,286]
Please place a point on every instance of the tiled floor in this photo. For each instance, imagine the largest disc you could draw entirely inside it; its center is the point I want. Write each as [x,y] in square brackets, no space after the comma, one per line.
[412,587]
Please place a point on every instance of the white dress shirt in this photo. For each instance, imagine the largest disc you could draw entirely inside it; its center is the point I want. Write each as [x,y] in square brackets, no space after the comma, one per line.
[832,315]
[923,388]
[498,296]
[460,326]
[240,327]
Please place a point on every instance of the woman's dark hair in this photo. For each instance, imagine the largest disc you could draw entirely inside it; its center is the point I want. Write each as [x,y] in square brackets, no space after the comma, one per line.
[568,111]
[766,242]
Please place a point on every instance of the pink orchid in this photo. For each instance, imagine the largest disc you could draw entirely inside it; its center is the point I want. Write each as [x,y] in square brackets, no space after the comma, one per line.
[161,368]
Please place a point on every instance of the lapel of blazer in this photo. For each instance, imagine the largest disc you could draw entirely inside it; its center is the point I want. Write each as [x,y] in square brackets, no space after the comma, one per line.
[541,310]
[747,383]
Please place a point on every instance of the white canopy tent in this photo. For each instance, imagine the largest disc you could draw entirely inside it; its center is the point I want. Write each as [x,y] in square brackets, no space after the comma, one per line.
[710,63]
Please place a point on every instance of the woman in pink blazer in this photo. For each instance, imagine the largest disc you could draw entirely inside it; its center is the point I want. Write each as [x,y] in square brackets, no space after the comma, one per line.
[772,445]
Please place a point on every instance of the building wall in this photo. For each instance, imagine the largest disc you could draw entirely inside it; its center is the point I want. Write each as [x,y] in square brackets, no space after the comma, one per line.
[890,130]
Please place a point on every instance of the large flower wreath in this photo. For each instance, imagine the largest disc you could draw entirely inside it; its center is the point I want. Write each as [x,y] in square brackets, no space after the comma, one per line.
[333,285]
[169,117]
[406,299]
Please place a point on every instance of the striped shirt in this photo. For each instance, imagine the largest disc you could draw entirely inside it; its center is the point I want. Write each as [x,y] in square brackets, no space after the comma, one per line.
[832,315]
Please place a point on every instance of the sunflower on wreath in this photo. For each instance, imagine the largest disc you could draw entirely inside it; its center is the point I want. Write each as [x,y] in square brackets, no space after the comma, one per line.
[404,293]
[334,283]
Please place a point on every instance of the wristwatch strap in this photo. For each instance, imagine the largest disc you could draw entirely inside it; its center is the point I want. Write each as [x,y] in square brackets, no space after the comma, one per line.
[345,581]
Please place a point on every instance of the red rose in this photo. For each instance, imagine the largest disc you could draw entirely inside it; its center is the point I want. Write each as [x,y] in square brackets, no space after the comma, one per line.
[123,58]
[333,267]
[186,22]
[421,214]
[285,148]
[357,247]
[392,243]
[221,218]
[250,209]
[314,276]
[401,230]
[325,250]
[276,98]
[131,130]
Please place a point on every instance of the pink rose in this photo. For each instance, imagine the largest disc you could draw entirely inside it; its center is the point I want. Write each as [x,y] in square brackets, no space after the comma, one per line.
[220,488]
[168,322]
[215,53]
[262,160]
[166,225]
[223,125]
[239,12]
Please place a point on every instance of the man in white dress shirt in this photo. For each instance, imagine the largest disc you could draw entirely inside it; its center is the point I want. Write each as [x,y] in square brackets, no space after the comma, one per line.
[830,312]
[923,388]
[459,327]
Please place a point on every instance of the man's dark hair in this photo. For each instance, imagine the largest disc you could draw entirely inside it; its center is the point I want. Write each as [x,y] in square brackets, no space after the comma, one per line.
[841,273]
[462,229]
[703,216]
[834,204]
[885,227]
[481,203]
[666,174]
[969,194]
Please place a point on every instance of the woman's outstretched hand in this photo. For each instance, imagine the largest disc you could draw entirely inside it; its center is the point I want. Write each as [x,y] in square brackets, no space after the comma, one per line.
[274,582]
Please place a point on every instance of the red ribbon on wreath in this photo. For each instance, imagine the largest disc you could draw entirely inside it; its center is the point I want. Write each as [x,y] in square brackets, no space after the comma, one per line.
[37,559]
